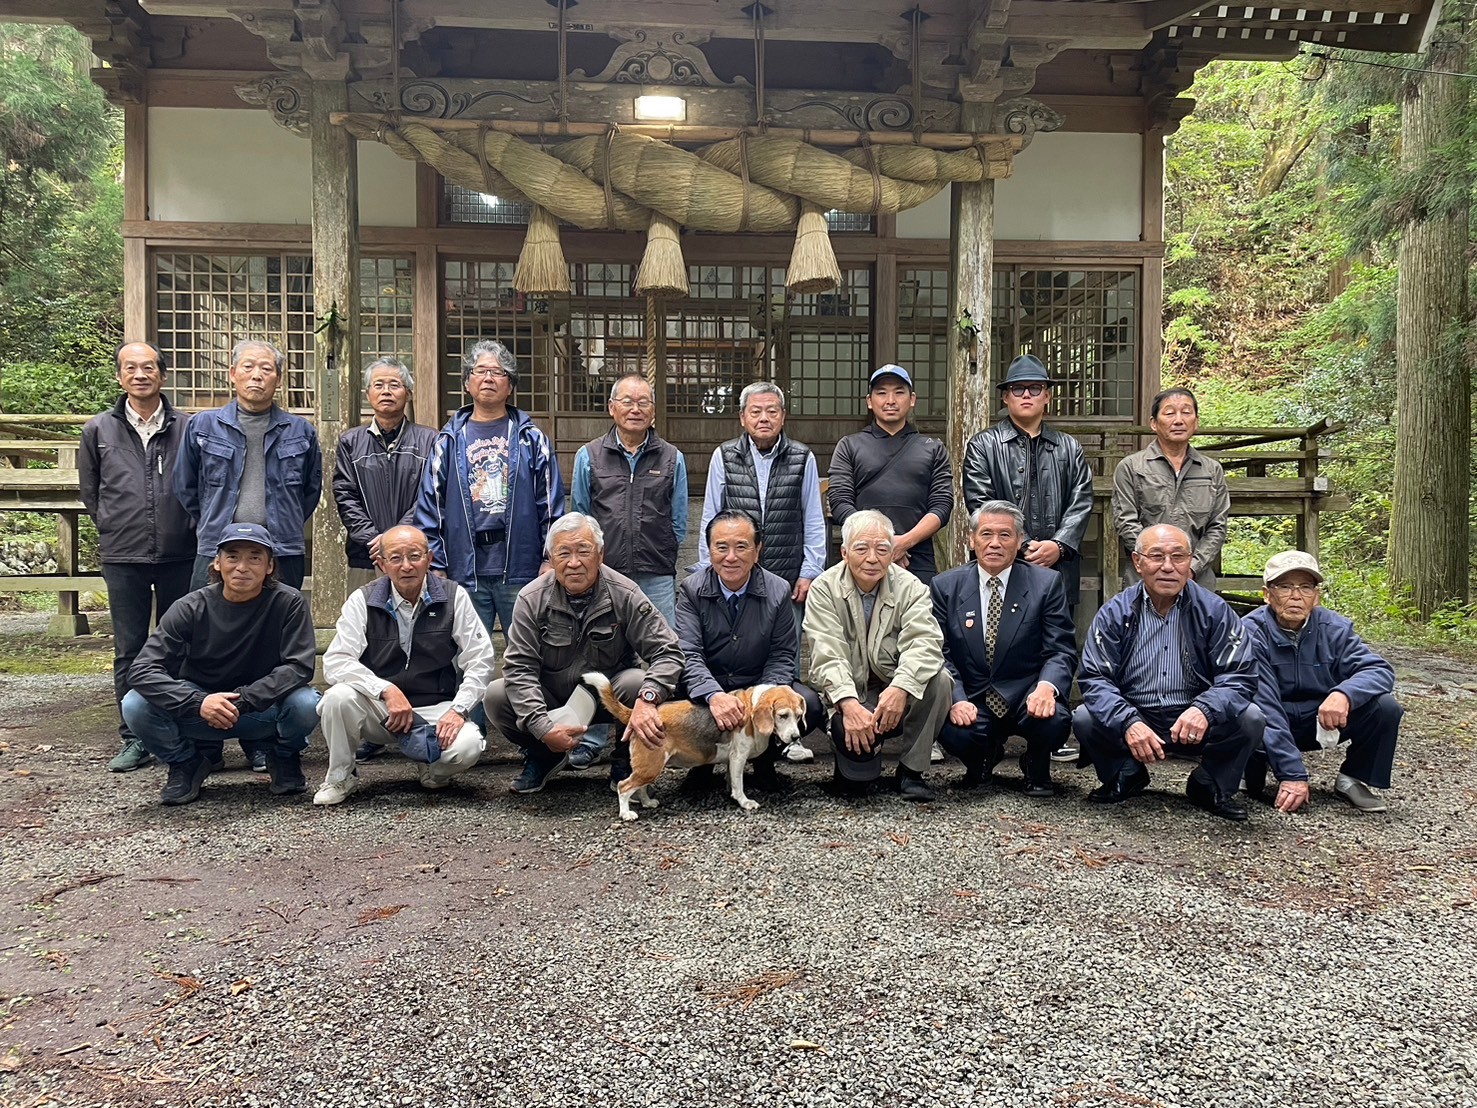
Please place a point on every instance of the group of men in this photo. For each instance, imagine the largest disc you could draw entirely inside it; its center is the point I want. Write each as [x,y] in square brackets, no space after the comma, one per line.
[451,534]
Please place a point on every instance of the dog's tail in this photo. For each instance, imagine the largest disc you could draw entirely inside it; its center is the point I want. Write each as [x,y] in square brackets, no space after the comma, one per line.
[601,684]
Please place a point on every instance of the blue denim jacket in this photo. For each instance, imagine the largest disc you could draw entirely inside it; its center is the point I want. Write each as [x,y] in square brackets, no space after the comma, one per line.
[207,476]
[535,500]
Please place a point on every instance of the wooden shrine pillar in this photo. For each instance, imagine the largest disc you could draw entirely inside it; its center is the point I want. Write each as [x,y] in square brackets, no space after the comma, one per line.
[336,368]
[972,401]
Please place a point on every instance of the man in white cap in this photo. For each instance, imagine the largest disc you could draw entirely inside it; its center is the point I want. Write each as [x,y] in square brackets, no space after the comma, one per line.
[1319,685]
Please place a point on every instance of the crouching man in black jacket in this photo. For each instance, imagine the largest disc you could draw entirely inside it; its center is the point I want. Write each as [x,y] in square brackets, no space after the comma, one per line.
[233,658]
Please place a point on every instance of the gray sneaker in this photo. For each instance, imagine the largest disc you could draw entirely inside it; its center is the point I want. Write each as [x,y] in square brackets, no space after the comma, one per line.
[132,756]
[1357,793]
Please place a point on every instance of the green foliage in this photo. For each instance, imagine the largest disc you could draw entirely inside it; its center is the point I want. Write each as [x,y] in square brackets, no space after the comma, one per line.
[44,388]
[61,204]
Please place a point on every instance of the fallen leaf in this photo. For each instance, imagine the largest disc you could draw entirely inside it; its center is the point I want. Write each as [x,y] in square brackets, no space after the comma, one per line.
[372,915]
[242,986]
[805,1044]
[21,772]
[900,838]
[965,894]
[43,748]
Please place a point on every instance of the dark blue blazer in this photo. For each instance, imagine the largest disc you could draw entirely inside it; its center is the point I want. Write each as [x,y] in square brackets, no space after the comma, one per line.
[1037,639]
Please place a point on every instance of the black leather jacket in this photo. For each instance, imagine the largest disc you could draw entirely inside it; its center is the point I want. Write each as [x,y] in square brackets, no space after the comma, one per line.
[995,469]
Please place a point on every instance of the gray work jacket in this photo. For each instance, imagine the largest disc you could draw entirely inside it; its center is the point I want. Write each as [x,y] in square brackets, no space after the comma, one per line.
[1147,492]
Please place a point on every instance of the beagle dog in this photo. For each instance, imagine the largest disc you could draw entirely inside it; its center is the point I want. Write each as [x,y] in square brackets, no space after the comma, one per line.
[693,739]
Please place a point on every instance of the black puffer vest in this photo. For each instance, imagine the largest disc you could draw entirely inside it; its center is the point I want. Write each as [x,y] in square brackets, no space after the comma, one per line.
[427,677]
[784,511]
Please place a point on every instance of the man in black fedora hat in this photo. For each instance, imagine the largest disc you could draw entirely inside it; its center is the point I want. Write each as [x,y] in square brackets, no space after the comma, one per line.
[1043,472]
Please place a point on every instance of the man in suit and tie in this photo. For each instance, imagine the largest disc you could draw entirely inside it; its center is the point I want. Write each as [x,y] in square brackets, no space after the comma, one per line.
[1010,646]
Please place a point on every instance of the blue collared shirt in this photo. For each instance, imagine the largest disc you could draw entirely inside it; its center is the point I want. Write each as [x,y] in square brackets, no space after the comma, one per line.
[579,494]
[1154,670]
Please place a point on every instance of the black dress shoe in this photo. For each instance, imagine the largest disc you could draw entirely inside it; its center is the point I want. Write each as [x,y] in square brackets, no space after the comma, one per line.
[1203,796]
[766,778]
[698,781]
[1037,778]
[975,775]
[911,786]
[1121,788]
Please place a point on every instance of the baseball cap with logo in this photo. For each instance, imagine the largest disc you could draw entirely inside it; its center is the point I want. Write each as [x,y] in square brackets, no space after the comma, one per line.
[1280,565]
[890,370]
[245,532]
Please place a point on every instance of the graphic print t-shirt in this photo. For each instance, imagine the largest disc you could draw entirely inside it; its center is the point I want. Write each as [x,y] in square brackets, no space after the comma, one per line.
[487,473]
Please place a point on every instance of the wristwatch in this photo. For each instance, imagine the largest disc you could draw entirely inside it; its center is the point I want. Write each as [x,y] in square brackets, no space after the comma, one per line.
[651,696]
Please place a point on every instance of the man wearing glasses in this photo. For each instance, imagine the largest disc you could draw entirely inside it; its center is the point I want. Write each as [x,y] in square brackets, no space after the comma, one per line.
[409,661]
[1321,685]
[1168,669]
[634,483]
[490,490]
[1041,471]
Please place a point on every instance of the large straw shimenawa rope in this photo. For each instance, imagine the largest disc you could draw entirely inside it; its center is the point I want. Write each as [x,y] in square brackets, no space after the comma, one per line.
[756,183]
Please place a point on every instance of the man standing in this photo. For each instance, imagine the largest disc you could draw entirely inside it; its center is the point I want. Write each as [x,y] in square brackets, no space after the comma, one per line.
[580,618]
[774,480]
[491,489]
[1169,481]
[1010,646]
[876,657]
[126,471]
[1043,472]
[233,658]
[890,467]
[1321,685]
[1168,669]
[409,661]
[251,462]
[736,624]
[377,468]
[634,483]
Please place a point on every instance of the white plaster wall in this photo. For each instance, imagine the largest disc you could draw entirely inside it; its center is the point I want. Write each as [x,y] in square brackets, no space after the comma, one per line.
[1066,185]
[229,165]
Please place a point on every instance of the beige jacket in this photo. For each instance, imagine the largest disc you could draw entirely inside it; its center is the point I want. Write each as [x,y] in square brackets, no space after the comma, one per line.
[904,646]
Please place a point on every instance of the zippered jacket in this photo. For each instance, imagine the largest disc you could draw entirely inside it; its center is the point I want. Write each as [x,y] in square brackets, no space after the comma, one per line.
[129,491]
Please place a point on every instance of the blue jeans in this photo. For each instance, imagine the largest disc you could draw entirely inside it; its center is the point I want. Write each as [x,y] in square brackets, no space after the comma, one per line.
[662,592]
[284,726]
[494,599]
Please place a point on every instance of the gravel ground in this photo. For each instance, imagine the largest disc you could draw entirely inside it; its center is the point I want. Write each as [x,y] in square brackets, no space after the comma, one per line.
[472,948]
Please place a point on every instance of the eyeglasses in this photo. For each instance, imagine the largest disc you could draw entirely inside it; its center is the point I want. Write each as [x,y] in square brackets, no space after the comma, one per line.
[414,558]
[568,554]
[1290,589]
[626,402]
[489,371]
[1154,558]
[1035,388]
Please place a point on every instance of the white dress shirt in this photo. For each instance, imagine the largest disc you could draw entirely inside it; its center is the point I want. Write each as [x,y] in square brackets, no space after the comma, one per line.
[145,428]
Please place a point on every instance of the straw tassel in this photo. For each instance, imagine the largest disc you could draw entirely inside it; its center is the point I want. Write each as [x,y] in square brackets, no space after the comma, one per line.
[662,272]
[813,265]
[541,265]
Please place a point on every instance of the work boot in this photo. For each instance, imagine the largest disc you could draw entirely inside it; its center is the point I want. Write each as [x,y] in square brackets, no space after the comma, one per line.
[185,779]
[287,774]
[132,756]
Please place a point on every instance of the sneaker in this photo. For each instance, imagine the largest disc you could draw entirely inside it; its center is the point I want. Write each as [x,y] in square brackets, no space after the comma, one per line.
[185,779]
[1357,793]
[337,792]
[215,761]
[1065,753]
[585,755]
[287,774]
[797,751]
[430,779]
[132,756]
[536,775]
[368,752]
[936,755]
[256,762]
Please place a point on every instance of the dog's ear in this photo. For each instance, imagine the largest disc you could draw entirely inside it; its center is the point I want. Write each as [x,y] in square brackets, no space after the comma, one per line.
[764,714]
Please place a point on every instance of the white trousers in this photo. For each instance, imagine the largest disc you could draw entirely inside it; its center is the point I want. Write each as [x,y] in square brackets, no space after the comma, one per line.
[350,717]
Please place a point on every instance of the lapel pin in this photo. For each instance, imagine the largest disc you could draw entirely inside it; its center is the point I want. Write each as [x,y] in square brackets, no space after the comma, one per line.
[968,623]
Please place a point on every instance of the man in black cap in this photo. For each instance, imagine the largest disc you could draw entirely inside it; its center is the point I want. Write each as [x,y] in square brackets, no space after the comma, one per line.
[233,658]
[1042,472]
[893,469]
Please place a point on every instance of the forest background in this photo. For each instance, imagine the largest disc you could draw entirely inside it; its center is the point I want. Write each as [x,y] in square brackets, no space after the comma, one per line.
[1283,207]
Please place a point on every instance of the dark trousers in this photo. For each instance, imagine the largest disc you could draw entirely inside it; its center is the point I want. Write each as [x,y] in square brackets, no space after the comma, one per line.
[982,744]
[136,590]
[291,568]
[1371,734]
[1222,753]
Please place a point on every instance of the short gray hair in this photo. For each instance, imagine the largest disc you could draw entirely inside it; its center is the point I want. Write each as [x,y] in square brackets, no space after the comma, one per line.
[868,519]
[246,344]
[390,363]
[573,521]
[998,508]
[485,347]
[761,388]
[1138,543]
[630,375]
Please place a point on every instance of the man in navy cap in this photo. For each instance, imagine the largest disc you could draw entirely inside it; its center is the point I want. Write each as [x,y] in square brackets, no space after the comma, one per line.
[1043,472]
[893,469]
[233,658]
